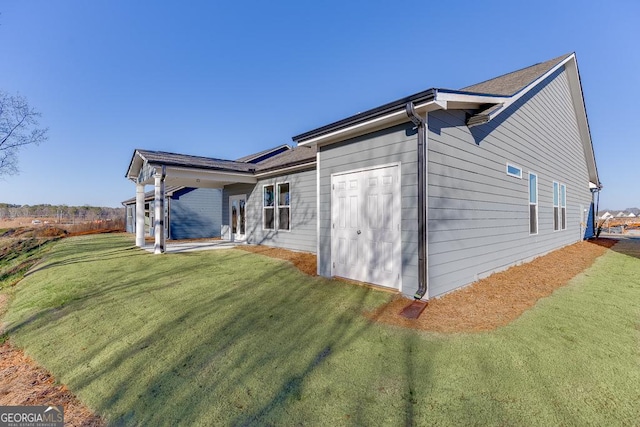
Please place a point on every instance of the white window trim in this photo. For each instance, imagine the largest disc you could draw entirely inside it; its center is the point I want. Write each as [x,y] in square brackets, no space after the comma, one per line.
[269,207]
[563,205]
[278,206]
[513,174]
[556,194]
[537,203]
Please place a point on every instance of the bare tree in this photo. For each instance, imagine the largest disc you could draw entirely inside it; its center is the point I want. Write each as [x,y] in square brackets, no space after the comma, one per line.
[18,127]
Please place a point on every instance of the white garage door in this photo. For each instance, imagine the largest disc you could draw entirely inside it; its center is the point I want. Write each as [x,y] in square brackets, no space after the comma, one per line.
[365,234]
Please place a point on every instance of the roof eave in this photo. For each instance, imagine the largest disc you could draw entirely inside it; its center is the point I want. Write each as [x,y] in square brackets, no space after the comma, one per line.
[369,116]
[394,113]
[577,95]
[130,174]
[509,100]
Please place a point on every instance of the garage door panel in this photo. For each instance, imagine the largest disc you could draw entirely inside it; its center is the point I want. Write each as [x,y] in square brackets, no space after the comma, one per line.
[354,212]
[367,215]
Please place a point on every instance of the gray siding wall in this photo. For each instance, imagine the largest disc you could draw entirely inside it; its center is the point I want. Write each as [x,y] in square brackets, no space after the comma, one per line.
[195,213]
[394,145]
[302,236]
[478,215]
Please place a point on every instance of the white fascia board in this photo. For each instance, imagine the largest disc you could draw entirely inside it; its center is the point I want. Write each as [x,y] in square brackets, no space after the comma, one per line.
[577,96]
[137,161]
[539,80]
[378,123]
[138,153]
[470,99]
[578,102]
[342,134]
[442,101]
[507,101]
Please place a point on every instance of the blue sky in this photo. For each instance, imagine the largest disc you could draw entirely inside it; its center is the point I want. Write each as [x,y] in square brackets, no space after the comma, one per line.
[225,79]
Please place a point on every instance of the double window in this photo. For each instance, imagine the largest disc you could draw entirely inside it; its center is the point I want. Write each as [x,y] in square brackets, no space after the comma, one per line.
[276,206]
[559,206]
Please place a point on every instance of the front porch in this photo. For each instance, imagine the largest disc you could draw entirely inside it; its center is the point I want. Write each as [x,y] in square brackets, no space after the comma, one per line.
[167,169]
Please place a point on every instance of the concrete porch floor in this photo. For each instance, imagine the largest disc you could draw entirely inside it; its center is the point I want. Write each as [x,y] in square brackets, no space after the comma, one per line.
[191,246]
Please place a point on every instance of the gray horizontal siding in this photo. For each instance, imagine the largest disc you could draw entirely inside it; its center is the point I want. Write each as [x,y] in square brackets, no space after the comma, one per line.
[302,235]
[478,215]
[195,213]
[393,145]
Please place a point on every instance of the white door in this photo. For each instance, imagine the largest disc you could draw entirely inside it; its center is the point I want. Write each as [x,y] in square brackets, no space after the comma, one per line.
[365,234]
[237,208]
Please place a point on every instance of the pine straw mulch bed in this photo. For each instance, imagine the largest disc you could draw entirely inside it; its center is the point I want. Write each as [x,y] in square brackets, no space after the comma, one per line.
[303,261]
[486,304]
[500,298]
[24,383]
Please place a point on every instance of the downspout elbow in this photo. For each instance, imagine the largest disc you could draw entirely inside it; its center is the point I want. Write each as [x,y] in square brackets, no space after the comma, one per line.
[415,118]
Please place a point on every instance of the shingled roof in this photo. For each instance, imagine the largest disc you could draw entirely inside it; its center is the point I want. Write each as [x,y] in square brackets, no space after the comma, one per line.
[511,83]
[264,154]
[293,157]
[173,159]
[287,158]
[503,87]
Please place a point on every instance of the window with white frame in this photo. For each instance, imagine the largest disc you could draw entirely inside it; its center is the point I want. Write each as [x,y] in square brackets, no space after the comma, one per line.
[556,206]
[514,171]
[533,203]
[268,207]
[563,206]
[284,207]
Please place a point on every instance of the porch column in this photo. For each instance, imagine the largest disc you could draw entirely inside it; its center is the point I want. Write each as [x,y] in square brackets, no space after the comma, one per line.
[159,213]
[139,215]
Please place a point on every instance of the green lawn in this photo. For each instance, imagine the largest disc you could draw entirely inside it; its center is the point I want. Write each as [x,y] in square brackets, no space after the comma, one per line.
[18,255]
[233,338]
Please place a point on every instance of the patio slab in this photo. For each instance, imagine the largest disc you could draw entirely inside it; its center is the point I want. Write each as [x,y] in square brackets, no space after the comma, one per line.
[192,246]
